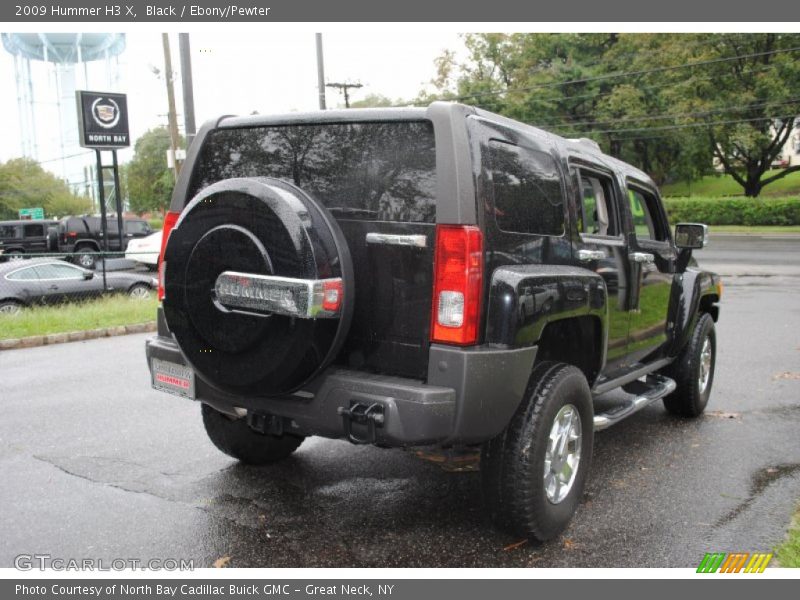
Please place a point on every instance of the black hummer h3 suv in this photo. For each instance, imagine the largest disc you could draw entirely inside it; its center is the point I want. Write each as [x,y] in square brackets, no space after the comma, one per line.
[428,277]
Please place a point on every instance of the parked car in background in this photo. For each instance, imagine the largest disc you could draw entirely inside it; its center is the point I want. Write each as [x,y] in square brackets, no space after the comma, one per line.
[145,250]
[83,236]
[43,281]
[18,238]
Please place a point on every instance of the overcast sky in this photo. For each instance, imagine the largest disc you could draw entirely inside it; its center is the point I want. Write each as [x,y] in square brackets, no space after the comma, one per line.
[241,72]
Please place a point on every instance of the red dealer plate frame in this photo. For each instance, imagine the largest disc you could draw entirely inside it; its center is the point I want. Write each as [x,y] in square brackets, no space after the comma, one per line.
[172,378]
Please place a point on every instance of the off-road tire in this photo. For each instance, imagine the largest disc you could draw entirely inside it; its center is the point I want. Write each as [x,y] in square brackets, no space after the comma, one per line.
[85,258]
[512,464]
[236,439]
[688,400]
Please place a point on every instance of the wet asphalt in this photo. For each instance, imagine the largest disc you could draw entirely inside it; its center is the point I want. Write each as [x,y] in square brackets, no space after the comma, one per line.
[95,464]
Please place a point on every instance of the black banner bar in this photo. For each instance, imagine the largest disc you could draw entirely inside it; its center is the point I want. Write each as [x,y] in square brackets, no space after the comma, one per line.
[496,11]
[393,589]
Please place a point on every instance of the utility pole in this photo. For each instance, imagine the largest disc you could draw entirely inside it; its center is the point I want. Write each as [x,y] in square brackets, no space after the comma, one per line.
[343,87]
[188,90]
[171,116]
[320,73]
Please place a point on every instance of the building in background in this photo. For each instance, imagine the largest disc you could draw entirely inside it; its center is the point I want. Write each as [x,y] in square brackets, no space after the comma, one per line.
[49,68]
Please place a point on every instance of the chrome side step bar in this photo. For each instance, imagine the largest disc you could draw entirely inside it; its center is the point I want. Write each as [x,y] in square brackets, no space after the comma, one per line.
[653,388]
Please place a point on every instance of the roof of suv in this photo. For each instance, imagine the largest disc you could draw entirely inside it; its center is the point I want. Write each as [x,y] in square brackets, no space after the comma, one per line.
[354,115]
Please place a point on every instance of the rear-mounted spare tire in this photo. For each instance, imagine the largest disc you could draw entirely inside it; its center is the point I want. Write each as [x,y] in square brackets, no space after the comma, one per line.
[259,287]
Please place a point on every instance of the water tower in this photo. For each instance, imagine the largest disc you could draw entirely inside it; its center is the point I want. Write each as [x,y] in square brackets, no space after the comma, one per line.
[49,67]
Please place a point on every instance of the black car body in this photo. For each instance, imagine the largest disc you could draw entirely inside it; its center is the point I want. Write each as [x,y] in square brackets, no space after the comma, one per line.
[463,253]
[18,238]
[83,236]
[42,281]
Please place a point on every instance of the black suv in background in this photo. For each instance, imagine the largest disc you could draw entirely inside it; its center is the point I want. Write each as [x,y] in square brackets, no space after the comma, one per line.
[440,277]
[83,236]
[18,238]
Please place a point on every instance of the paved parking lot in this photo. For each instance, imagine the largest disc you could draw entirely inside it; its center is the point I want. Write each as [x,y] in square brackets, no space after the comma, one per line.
[95,464]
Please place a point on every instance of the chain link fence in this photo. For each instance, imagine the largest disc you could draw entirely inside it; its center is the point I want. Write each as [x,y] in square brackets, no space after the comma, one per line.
[44,279]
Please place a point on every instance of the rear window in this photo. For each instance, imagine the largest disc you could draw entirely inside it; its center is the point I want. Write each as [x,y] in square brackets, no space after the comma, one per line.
[368,171]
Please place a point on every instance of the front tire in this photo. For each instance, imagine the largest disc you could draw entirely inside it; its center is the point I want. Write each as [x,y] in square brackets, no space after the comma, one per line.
[534,472]
[235,438]
[693,371]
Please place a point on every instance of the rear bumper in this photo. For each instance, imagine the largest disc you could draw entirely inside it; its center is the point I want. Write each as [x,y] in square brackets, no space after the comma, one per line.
[469,397]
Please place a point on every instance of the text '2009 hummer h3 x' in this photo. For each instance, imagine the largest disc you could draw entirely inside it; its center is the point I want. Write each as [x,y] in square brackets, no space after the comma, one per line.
[439,276]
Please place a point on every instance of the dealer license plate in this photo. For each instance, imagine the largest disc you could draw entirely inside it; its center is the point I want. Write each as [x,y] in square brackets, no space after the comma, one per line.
[172,377]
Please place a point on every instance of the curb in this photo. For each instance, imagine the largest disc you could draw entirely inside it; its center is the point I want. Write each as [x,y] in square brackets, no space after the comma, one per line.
[75,336]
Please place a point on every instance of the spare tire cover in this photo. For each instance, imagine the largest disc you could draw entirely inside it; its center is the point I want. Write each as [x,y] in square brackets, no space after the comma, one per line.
[258,226]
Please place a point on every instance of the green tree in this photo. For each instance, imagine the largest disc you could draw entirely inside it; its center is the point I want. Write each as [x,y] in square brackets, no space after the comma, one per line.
[25,184]
[670,103]
[375,100]
[148,181]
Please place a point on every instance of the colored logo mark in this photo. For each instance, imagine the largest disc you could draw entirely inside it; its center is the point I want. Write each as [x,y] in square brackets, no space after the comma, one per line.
[735,562]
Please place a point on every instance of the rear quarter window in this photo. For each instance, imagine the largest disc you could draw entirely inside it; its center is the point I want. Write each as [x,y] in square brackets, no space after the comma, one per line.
[381,171]
[527,191]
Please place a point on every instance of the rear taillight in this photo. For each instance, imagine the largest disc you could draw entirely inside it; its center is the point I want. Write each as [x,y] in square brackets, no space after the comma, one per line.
[457,283]
[169,222]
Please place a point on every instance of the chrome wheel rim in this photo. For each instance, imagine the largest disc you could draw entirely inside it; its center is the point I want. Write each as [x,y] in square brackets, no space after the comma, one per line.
[140,293]
[563,454]
[9,309]
[706,355]
[86,260]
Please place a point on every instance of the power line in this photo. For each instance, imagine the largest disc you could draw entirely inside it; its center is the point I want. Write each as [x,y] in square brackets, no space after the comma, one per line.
[618,75]
[688,81]
[739,107]
[687,125]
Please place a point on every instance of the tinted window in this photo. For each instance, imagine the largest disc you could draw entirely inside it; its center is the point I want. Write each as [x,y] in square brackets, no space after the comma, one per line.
[527,190]
[8,231]
[55,271]
[26,274]
[33,231]
[373,171]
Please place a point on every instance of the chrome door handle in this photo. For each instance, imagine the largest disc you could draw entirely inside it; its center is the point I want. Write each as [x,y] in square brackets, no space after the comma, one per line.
[642,257]
[588,255]
[416,241]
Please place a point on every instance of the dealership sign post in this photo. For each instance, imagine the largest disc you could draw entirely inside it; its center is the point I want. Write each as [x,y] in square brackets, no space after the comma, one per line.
[103,125]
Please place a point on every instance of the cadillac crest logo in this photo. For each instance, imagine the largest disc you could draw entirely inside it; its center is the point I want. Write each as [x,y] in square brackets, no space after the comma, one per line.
[105,112]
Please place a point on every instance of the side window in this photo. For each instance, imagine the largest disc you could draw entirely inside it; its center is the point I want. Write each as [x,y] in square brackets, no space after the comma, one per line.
[646,217]
[8,232]
[598,214]
[54,271]
[26,274]
[137,227]
[33,231]
[527,190]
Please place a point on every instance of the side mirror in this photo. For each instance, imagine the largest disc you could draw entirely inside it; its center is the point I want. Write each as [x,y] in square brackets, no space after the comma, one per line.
[88,275]
[691,236]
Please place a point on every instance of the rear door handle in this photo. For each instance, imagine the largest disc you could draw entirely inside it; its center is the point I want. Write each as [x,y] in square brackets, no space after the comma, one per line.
[415,241]
[53,287]
[589,255]
[642,257]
